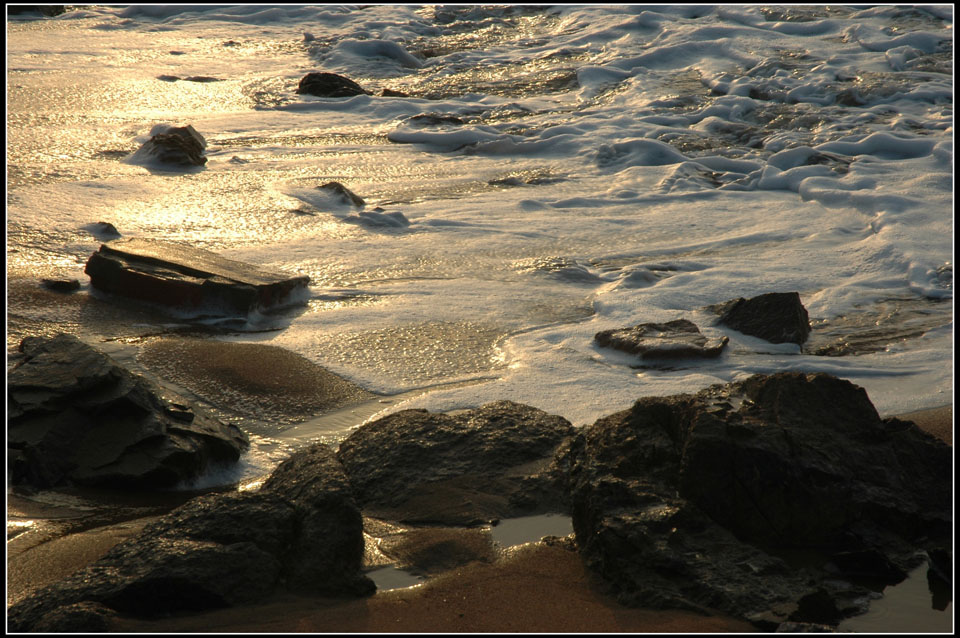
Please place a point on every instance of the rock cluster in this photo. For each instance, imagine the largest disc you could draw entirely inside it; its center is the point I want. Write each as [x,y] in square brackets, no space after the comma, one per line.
[74,415]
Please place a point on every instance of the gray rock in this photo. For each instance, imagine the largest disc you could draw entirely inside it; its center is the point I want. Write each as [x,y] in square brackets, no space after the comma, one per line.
[671,340]
[778,317]
[74,415]
[182,276]
[452,469]
[329,85]
[674,498]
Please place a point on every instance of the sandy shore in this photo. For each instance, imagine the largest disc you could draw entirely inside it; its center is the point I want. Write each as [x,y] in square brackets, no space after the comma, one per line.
[537,587]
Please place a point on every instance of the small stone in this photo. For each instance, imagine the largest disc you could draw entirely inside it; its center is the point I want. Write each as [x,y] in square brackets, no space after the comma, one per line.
[61,285]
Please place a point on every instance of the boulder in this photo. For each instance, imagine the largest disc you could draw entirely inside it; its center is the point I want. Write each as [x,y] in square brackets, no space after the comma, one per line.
[76,416]
[671,340]
[301,531]
[459,469]
[178,275]
[778,317]
[328,85]
[679,501]
[172,145]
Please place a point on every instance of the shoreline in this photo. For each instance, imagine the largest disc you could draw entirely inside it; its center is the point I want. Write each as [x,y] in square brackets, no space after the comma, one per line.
[534,587]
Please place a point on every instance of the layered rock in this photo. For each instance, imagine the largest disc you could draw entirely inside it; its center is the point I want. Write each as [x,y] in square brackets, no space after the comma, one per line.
[301,530]
[674,498]
[778,317]
[182,276]
[467,468]
[676,339]
[76,416]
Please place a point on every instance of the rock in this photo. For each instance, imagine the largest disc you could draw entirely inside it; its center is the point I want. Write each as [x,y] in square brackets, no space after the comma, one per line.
[677,501]
[178,275]
[329,85]
[870,563]
[392,93]
[103,230]
[804,628]
[370,219]
[458,469]
[61,285]
[46,10]
[301,531]
[671,340]
[342,193]
[778,317]
[76,416]
[434,119]
[86,617]
[172,145]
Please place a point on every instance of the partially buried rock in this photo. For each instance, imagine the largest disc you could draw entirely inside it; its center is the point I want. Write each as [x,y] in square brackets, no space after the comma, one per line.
[76,416]
[671,340]
[302,531]
[172,146]
[678,500]
[343,194]
[323,84]
[457,469]
[392,93]
[61,285]
[778,317]
[181,276]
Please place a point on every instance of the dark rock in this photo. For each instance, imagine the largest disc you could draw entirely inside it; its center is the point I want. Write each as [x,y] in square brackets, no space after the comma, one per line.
[74,415]
[85,617]
[168,78]
[941,563]
[674,339]
[392,93]
[61,285]
[46,10]
[329,85]
[804,628]
[778,317]
[434,119]
[678,501]
[301,531]
[868,563]
[177,146]
[178,275]
[344,194]
[202,78]
[104,230]
[450,469]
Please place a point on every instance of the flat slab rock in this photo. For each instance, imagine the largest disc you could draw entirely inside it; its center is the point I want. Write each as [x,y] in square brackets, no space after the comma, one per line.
[75,415]
[182,276]
[676,339]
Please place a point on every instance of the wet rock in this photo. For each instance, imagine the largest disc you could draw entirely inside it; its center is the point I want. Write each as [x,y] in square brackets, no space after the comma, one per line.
[172,145]
[434,119]
[329,85]
[778,317]
[103,230]
[466,468]
[392,93]
[678,501]
[178,275]
[46,10]
[86,617]
[804,628]
[301,531]
[674,339]
[61,285]
[372,219]
[76,416]
[869,563]
[343,194]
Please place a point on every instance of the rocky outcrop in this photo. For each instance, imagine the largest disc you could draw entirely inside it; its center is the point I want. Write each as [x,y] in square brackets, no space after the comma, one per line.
[76,416]
[671,340]
[178,275]
[674,498]
[173,146]
[778,317]
[466,468]
[323,84]
[300,531]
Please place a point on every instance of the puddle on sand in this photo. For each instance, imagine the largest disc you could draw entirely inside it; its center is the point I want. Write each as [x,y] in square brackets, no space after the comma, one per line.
[905,608]
[391,577]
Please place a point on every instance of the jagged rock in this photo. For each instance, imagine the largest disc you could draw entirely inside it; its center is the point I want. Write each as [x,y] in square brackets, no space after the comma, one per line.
[329,85]
[172,145]
[301,530]
[671,340]
[674,498]
[778,317]
[458,469]
[74,415]
[178,275]
[61,285]
[342,193]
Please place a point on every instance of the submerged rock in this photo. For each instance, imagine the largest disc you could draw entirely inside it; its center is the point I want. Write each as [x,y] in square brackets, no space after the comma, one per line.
[172,145]
[301,531]
[181,276]
[343,194]
[671,340]
[324,84]
[678,501]
[778,317]
[466,468]
[76,416]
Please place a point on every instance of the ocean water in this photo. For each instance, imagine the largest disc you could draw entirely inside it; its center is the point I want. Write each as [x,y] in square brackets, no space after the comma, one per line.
[584,168]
